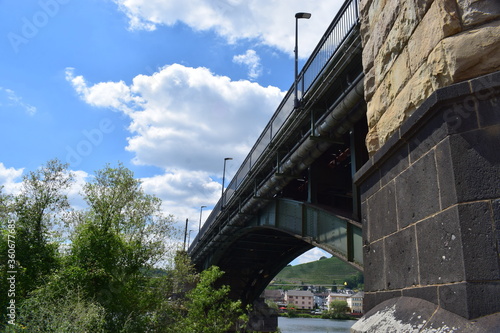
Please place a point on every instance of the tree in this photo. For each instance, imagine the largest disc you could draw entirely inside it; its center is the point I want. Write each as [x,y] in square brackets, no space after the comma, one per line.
[29,220]
[209,310]
[339,307]
[116,241]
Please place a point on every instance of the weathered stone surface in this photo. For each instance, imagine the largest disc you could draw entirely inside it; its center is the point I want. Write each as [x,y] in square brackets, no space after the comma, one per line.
[374,261]
[407,314]
[442,20]
[412,48]
[477,164]
[476,12]
[417,191]
[446,175]
[390,48]
[376,24]
[382,214]
[479,245]
[444,264]
[401,259]
[473,53]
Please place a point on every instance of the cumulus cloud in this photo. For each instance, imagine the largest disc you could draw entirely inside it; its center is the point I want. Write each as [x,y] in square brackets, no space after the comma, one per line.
[252,61]
[10,179]
[270,22]
[14,100]
[311,255]
[185,121]
[105,94]
[186,118]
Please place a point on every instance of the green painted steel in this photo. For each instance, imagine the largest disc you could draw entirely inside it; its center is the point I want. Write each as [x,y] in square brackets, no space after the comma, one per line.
[340,236]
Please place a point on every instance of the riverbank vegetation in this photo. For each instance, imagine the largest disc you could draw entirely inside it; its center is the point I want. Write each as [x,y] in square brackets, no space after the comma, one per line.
[112,266]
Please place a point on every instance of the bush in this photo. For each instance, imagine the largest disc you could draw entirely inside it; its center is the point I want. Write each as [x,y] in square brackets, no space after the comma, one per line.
[43,312]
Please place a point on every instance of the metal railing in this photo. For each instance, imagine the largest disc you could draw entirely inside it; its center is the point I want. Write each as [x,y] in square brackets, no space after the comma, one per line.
[334,37]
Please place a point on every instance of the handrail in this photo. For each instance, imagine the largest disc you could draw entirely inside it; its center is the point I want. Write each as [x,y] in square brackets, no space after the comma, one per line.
[340,28]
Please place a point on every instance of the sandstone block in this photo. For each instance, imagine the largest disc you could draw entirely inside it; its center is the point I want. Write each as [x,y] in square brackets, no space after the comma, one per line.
[372,143]
[474,52]
[381,17]
[397,38]
[440,21]
[369,84]
[387,118]
[476,12]
[378,103]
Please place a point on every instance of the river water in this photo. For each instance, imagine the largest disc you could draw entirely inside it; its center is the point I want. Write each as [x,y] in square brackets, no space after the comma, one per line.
[314,325]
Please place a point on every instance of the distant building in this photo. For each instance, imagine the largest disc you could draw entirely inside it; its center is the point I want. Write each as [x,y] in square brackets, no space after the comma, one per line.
[301,299]
[277,296]
[355,302]
[320,300]
[336,297]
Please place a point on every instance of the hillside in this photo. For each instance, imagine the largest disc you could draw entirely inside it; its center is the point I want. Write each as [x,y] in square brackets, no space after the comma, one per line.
[321,272]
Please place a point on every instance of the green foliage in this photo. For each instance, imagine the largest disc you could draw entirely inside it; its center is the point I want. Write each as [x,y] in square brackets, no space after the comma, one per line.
[68,312]
[356,281]
[209,310]
[115,273]
[35,215]
[338,306]
[122,234]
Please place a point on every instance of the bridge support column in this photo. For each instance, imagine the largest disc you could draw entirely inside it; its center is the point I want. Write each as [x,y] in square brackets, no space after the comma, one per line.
[431,190]
[262,318]
[431,210]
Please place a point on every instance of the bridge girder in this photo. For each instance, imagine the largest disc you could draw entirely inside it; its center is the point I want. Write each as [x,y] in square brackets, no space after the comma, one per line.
[254,253]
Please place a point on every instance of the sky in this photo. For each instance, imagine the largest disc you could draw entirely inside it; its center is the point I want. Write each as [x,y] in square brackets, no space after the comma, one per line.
[169,88]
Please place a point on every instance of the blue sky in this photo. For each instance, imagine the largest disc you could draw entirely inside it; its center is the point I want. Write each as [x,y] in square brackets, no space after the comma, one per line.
[168,88]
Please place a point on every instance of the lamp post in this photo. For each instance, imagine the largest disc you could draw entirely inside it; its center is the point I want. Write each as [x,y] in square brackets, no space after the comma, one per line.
[223,176]
[201,210]
[185,234]
[298,16]
[189,238]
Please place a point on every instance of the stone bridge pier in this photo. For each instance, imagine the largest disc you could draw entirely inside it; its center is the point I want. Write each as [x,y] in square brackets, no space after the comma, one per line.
[431,190]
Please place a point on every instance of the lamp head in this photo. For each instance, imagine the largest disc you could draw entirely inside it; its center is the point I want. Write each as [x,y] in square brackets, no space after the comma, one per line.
[302,15]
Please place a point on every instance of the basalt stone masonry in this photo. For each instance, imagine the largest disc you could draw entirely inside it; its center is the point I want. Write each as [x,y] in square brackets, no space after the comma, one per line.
[430,192]
[431,204]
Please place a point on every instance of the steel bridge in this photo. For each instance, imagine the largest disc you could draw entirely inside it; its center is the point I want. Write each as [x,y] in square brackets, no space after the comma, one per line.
[294,191]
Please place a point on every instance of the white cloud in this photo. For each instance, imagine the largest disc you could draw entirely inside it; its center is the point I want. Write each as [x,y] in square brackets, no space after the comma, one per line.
[10,179]
[115,95]
[270,22]
[15,100]
[186,118]
[185,121]
[310,256]
[252,61]
[74,193]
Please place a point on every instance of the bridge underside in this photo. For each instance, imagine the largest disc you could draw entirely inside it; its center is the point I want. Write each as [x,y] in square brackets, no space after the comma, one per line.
[252,255]
[252,261]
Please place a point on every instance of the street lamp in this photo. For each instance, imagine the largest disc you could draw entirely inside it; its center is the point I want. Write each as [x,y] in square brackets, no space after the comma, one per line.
[201,210]
[298,16]
[189,238]
[223,176]
[185,234]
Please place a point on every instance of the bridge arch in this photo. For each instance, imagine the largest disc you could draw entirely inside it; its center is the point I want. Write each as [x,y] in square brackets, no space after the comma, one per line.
[252,255]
